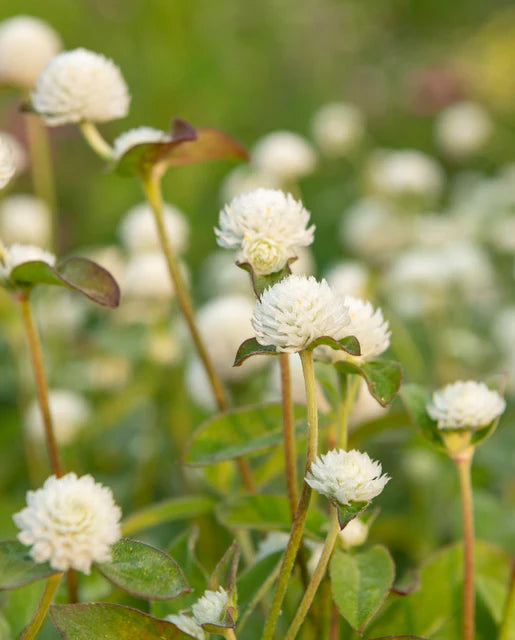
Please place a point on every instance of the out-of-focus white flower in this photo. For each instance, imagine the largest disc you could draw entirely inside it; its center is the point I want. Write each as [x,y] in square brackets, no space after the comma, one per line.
[211,607]
[187,624]
[434,230]
[198,386]
[107,373]
[219,275]
[70,522]
[60,312]
[164,346]
[346,476]
[354,534]
[463,129]
[26,45]
[284,154]
[17,150]
[70,412]
[244,179]
[138,135]
[296,311]
[16,254]
[465,405]
[138,228]
[273,542]
[405,173]
[365,407]
[7,165]
[25,219]
[297,384]
[305,263]
[224,323]
[338,128]
[266,226]
[78,86]
[146,276]
[348,278]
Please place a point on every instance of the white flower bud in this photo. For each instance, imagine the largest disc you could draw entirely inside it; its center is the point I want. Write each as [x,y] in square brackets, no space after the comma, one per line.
[338,128]
[285,155]
[354,534]
[348,278]
[463,129]
[139,135]
[25,219]
[78,86]
[211,607]
[69,410]
[16,254]
[26,45]
[70,522]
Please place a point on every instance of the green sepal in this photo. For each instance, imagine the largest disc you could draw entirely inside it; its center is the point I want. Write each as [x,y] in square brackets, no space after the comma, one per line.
[347,512]
[251,347]
[350,344]
[383,377]
[17,568]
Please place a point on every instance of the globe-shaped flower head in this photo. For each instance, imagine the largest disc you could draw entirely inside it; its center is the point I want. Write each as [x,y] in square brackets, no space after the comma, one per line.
[16,254]
[78,86]
[70,522]
[267,227]
[296,311]
[211,607]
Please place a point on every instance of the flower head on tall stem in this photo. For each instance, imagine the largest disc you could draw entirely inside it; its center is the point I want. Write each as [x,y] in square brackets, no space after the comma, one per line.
[11,257]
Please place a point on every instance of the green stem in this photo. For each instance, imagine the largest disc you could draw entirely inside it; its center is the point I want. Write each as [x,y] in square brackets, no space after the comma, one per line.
[290,454]
[96,141]
[305,496]
[34,625]
[463,464]
[509,608]
[41,382]
[316,579]
[152,189]
[229,634]
[41,169]
[346,403]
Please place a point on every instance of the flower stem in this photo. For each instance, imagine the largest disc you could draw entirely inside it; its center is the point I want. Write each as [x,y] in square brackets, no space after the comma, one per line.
[229,634]
[509,608]
[349,386]
[305,496]
[463,464]
[96,141]
[34,625]
[71,583]
[41,382]
[290,455]
[152,189]
[41,169]
[316,579]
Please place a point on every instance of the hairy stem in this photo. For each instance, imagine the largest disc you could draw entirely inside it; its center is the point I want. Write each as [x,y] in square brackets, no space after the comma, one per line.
[463,464]
[290,455]
[302,509]
[96,141]
[34,625]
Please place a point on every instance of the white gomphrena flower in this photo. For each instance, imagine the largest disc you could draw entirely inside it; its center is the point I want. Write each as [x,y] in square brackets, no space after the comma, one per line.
[26,45]
[346,476]
[211,607]
[139,135]
[463,129]
[285,155]
[266,226]
[338,128]
[354,534]
[369,327]
[16,254]
[70,522]
[296,311]
[224,323]
[70,412]
[25,219]
[187,624]
[138,229]
[348,278]
[17,150]
[7,163]
[405,173]
[80,86]
[465,405]
[146,276]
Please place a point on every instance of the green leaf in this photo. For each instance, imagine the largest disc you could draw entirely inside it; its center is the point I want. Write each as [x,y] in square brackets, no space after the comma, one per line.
[110,622]
[168,511]
[224,574]
[415,399]
[360,583]
[210,144]
[144,571]
[17,568]
[264,512]
[350,344]
[260,283]
[383,377]
[79,274]
[239,432]
[347,512]
[251,347]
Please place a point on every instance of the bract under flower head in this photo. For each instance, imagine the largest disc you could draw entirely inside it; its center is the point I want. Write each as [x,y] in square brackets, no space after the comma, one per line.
[139,135]
[465,405]
[346,476]
[296,311]
[267,227]
[79,86]
[70,522]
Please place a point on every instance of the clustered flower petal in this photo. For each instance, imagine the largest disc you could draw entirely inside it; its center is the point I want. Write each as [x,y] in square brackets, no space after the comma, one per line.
[296,311]
[26,45]
[78,86]
[346,476]
[70,522]
[211,607]
[7,164]
[139,135]
[267,227]
[465,405]
[16,254]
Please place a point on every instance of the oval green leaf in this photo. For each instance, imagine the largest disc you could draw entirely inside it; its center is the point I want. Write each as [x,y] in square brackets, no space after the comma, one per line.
[360,583]
[415,399]
[110,622]
[350,344]
[251,347]
[383,377]
[17,568]
[144,571]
